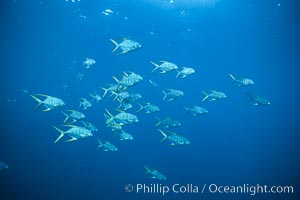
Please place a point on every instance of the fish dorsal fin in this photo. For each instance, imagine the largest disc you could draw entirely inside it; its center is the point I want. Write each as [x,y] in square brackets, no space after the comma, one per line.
[163,61]
[72,126]
[43,95]
[122,111]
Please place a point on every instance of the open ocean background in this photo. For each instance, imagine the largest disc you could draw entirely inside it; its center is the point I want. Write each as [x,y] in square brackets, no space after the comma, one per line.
[43,45]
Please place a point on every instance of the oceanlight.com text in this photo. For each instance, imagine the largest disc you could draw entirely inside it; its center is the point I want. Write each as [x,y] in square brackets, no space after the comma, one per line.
[246,189]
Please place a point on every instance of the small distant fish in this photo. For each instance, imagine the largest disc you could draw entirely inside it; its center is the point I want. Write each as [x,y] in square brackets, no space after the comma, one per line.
[196,110]
[122,118]
[172,94]
[153,83]
[84,103]
[75,132]
[174,139]
[80,76]
[106,146]
[186,71]
[241,81]
[49,102]
[134,97]
[25,91]
[258,100]
[126,46]
[3,166]
[96,97]
[124,135]
[73,115]
[107,12]
[148,108]
[167,122]
[88,63]
[73,1]
[89,126]
[125,105]
[164,67]
[213,95]
[154,174]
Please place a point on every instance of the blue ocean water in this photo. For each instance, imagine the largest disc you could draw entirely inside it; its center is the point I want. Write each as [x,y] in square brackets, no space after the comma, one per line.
[43,45]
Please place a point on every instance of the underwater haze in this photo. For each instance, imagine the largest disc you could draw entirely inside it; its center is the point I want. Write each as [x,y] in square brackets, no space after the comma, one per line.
[237,106]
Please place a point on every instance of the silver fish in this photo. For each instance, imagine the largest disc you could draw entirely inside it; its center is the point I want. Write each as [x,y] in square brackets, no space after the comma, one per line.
[148,108]
[126,46]
[154,174]
[167,122]
[186,71]
[106,146]
[196,110]
[74,116]
[171,94]
[258,100]
[241,81]
[49,102]
[174,139]
[213,95]
[84,103]
[75,132]
[164,67]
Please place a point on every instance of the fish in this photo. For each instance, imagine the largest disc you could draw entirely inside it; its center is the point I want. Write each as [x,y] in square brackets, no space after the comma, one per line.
[111,88]
[258,100]
[122,118]
[186,71]
[153,83]
[148,108]
[74,116]
[164,67]
[126,46]
[174,139]
[241,81]
[3,166]
[106,146]
[89,126]
[96,97]
[120,96]
[128,80]
[124,135]
[171,94]
[75,132]
[125,105]
[49,102]
[167,122]
[88,63]
[111,123]
[84,103]
[213,95]
[154,174]
[196,110]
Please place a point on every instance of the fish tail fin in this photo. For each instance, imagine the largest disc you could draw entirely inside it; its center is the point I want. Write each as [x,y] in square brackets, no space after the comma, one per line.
[141,107]
[105,91]
[164,135]
[232,77]
[62,133]
[67,116]
[159,121]
[250,95]
[165,94]
[156,66]
[38,100]
[178,73]
[117,82]
[110,118]
[115,43]
[147,169]
[187,110]
[206,95]
[100,143]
